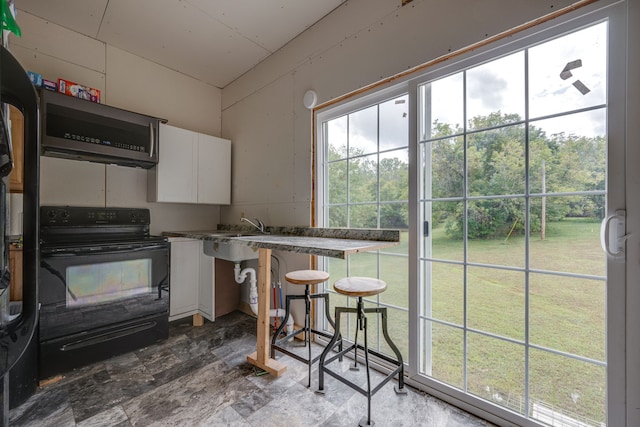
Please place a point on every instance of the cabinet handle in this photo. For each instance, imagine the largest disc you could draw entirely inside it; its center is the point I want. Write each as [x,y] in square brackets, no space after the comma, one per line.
[152,135]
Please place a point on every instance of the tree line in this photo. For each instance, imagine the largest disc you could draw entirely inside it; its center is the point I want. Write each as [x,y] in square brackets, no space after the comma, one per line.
[496,174]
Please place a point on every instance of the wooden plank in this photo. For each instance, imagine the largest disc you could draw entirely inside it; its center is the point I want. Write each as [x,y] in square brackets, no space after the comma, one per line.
[270,365]
[49,381]
[198,320]
[264,280]
[261,358]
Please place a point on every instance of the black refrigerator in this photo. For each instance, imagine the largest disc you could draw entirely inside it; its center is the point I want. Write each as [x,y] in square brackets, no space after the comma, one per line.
[18,374]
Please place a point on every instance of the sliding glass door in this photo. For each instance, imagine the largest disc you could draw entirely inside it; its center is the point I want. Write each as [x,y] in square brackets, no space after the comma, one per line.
[499,169]
[513,166]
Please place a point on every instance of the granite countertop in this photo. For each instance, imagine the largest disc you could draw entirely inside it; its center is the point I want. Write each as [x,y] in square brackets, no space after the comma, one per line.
[331,242]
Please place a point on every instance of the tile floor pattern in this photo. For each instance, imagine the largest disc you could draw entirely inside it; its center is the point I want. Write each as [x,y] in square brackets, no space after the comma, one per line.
[199,377]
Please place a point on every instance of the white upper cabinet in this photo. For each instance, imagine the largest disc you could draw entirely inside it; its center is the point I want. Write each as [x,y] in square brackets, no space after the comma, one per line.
[192,168]
[214,170]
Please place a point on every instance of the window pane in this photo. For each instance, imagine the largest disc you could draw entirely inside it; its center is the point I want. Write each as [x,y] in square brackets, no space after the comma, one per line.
[570,390]
[447,353]
[443,162]
[338,216]
[496,231]
[363,216]
[495,92]
[337,269]
[394,215]
[569,72]
[363,131]
[336,138]
[394,270]
[562,307]
[495,301]
[495,371]
[442,103]
[445,240]
[363,179]
[569,153]
[394,126]
[337,177]
[394,176]
[570,238]
[446,299]
[364,264]
[496,162]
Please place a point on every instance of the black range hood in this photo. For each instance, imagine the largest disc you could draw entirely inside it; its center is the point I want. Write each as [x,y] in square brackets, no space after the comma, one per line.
[77,129]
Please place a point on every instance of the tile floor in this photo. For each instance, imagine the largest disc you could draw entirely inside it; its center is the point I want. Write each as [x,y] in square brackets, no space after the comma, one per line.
[199,377]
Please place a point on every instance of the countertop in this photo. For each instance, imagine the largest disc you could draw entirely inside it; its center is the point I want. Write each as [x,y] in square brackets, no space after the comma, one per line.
[331,242]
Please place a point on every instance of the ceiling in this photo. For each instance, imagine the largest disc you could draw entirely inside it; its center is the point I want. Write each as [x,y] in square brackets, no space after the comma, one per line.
[215,41]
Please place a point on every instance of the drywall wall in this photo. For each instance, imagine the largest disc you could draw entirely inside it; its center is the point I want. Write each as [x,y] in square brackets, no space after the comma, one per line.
[129,82]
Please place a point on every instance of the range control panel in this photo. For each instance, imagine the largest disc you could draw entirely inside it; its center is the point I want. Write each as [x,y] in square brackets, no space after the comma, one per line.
[70,216]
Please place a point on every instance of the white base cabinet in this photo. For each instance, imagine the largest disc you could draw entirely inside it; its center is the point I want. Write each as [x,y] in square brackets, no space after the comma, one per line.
[192,286]
[192,168]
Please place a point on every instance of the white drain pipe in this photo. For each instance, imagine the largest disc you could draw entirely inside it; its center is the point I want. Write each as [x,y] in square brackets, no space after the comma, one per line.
[240,276]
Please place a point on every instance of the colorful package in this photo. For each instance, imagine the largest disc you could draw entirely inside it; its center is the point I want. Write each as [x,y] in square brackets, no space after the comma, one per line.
[35,78]
[49,85]
[79,91]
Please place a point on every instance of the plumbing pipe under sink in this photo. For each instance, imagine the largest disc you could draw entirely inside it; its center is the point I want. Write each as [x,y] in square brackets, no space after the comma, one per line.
[240,276]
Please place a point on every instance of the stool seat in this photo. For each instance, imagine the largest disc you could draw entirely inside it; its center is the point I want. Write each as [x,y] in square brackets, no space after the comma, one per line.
[359,286]
[306,277]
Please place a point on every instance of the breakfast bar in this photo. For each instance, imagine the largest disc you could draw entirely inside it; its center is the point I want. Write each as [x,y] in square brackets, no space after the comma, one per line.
[331,242]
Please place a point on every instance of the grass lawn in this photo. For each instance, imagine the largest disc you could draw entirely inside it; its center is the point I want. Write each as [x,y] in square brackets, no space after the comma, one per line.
[565,314]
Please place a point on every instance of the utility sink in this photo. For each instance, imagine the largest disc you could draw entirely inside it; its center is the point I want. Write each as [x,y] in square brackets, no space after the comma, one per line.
[230,251]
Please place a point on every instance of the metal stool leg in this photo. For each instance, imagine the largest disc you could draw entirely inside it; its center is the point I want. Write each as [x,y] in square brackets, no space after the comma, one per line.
[327,313]
[400,387]
[281,327]
[355,341]
[327,349]
[307,326]
[362,320]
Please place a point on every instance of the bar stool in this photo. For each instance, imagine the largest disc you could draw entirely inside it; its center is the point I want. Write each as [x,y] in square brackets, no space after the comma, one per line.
[306,278]
[361,287]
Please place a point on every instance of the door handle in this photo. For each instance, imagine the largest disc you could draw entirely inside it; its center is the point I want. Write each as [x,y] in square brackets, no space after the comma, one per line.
[613,235]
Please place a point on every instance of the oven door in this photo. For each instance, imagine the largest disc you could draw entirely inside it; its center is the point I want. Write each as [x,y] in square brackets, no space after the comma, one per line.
[86,288]
[100,301]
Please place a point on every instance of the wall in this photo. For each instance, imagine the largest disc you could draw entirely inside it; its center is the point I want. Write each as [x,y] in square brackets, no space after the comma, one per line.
[125,81]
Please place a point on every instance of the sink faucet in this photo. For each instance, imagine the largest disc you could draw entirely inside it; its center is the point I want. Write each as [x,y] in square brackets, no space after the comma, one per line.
[259,226]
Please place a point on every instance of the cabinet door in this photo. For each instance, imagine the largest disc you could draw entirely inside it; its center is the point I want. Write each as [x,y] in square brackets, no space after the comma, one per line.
[206,294]
[183,293]
[176,172]
[15,267]
[214,170]
[17,145]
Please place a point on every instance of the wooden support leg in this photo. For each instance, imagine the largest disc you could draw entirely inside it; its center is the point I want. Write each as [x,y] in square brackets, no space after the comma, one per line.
[261,358]
[197,320]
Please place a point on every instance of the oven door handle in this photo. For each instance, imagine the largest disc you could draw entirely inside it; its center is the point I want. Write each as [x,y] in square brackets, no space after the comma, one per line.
[109,250]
